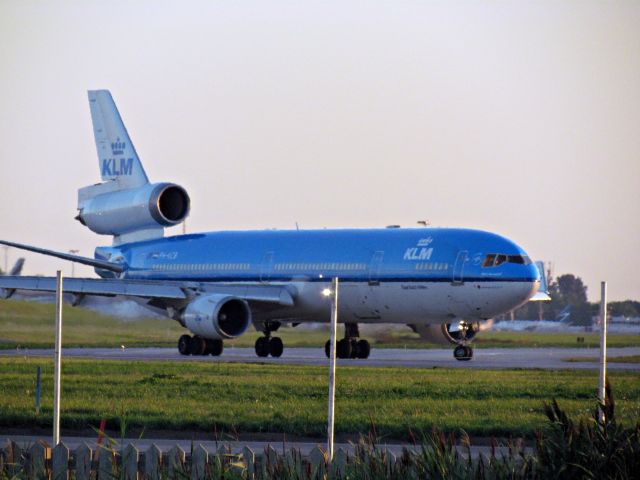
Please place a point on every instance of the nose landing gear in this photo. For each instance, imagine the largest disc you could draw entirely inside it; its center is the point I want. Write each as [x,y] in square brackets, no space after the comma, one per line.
[463,353]
[350,346]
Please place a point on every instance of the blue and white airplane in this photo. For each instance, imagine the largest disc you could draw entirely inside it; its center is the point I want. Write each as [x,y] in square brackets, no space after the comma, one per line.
[439,281]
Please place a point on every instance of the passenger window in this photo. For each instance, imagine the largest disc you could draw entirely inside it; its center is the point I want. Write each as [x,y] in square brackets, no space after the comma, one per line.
[488,260]
[500,259]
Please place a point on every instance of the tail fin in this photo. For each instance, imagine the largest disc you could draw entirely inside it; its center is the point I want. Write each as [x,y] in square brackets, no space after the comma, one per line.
[117,157]
[17,268]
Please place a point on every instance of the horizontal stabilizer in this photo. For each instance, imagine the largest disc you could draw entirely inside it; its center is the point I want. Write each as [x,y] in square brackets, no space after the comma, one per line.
[114,267]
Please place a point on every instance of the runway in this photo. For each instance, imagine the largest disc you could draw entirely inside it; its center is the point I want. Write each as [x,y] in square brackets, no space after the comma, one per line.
[490,358]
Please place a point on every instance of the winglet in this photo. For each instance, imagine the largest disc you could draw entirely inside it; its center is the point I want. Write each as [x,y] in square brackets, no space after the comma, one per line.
[542,295]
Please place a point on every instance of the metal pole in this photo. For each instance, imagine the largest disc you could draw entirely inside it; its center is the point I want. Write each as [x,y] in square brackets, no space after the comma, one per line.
[38,391]
[332,367]
[603,344]
[57,359]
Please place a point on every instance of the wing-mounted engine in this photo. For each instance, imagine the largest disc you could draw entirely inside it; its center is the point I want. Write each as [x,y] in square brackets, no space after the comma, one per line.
[132,214]
[456,333]
[217,316]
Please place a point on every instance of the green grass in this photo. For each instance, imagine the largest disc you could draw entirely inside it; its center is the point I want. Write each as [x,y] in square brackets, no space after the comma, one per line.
[244,399]
[30,325]
[620,359]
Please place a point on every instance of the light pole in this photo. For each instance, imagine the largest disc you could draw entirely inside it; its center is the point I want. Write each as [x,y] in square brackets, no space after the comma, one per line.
[333,293]
[73,264]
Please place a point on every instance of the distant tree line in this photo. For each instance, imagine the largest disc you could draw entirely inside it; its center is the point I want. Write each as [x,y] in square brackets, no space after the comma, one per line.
[569,290]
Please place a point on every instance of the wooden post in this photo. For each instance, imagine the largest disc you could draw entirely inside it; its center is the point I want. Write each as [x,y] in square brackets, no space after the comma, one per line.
[60,462]
[83,462]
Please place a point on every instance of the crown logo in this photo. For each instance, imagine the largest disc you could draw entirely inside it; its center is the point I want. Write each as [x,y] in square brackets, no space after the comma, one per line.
[117,147]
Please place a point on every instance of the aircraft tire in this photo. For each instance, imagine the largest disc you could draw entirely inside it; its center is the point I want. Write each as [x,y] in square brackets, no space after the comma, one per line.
[364,349]
[184,345]
[214,347]
[463,353]
[262,347]
[327,348]
[343,348]
[198,346]
[276,347]
[354,348]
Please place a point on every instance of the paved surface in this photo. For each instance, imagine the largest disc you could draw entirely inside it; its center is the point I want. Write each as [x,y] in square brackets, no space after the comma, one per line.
[490,358]
[236,447]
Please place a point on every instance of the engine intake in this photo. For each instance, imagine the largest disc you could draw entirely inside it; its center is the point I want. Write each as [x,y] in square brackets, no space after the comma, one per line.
[217,316]
[119,212]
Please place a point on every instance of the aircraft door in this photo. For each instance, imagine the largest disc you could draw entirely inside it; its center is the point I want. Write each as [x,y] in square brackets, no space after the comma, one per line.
[266,266]
[374,268]
[458,268]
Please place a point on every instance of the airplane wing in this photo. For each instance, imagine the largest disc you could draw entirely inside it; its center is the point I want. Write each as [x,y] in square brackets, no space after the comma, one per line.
[168,290]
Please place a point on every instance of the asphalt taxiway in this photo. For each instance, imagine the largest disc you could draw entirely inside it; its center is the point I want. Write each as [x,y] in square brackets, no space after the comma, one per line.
[489,358]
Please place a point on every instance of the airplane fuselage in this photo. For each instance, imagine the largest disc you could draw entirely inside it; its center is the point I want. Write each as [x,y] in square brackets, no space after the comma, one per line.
[426,275]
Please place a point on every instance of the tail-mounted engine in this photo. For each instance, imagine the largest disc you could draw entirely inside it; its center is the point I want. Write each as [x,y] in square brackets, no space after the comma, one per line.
[107,210]
[217,316]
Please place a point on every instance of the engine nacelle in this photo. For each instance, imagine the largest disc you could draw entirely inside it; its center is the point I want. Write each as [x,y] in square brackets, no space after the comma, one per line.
[217,316]
[456,333]
[109,211]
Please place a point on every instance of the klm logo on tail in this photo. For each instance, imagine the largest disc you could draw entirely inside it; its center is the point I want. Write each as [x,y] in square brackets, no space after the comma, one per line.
[111,168]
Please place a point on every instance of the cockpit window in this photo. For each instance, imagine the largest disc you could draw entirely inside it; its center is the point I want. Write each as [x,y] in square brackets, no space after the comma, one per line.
[488,260]
[495,259]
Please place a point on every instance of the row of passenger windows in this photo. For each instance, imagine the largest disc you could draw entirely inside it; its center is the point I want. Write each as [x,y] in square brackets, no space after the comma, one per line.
[320,266]
[432,266]
[200,266]
[495,259]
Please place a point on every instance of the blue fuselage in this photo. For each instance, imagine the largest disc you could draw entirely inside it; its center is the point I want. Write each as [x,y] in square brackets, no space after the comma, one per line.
[431,273]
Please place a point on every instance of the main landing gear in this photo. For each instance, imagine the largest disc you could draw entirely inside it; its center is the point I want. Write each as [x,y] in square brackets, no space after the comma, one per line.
[188,345]
[350,346]
[463,352]
[269,345]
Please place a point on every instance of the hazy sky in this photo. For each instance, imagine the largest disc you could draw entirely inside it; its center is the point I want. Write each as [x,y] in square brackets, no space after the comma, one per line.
[521,118]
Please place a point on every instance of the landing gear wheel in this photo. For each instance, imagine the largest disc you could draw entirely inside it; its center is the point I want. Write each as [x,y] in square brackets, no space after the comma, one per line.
[184,345]
[343,349]
[463,353]
[327,348]
[363,349]
[262,347]
[198,346]
[276,347]
[214,347]
[354,348]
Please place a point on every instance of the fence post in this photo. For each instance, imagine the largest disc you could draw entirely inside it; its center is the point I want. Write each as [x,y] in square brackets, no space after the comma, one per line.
[39,453]
[130,457]
[250,461]
[83,462]
[199,459]
[175,462]
[603,346]
[105,464]
[152,462]
[57,360]
[60,462]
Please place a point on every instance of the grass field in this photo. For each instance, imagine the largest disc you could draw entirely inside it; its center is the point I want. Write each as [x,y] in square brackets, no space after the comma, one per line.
[242,399]
[30,325]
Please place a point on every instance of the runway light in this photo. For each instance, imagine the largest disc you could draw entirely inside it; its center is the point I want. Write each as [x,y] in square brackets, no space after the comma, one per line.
[326,292]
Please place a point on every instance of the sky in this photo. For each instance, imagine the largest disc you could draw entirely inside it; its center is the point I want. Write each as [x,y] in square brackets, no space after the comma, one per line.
[521,118]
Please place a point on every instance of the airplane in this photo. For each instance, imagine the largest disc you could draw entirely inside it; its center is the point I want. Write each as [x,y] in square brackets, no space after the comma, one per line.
[439,281]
